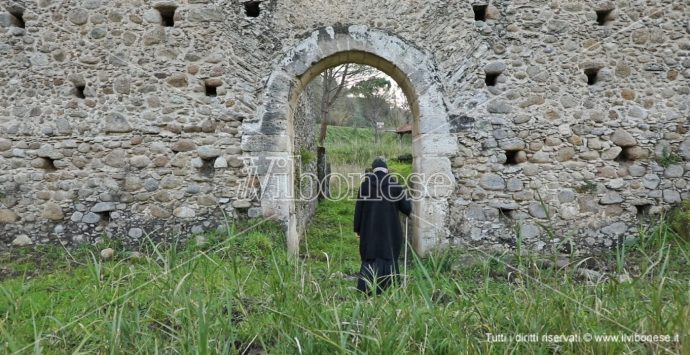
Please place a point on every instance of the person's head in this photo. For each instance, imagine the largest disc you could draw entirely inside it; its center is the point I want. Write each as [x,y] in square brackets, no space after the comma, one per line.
[379,165]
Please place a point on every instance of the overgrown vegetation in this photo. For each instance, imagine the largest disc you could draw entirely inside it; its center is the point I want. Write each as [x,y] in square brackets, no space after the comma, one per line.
[680,220]
[668,158]
[241,293]
[586,187]
[356,147]
[307,156]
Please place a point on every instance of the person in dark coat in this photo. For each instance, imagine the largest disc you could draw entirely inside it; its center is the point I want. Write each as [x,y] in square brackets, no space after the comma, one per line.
[377,224]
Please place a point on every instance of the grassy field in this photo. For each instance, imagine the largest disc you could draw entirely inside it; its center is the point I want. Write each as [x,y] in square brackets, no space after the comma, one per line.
[239,292]
[354,148]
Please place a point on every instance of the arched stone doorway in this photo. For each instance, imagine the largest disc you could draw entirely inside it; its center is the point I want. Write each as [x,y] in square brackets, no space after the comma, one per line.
[268,138]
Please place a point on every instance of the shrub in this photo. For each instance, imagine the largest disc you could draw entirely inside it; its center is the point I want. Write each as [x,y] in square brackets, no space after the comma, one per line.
[404,158]
[668,158]
[401,171]
[307,156]
[680,220]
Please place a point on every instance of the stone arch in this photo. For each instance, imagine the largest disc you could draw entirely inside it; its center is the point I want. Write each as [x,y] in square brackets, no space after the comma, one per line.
[267,138]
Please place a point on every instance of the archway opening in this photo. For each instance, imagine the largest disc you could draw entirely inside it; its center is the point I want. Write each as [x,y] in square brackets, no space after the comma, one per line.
[380,83]
[267,139]
[347,116]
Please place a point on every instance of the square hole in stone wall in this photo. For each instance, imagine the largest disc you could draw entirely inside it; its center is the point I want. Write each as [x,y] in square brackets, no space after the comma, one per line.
[211,91]
[479,12]
[79,91]
[167,15]
[17,17]
[104,218]
[252,8]
[624,156]
[46,164]
[491,78]
[514,157]
[505,213]
[211,87]
[643,210]
[207,168]
[592,74]
[603,16]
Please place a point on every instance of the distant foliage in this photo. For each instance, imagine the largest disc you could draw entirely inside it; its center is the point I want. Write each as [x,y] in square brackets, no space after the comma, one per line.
[358,96]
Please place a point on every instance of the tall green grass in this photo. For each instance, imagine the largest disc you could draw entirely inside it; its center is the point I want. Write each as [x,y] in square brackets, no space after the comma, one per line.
[680,220]
[241,293]
[356,147]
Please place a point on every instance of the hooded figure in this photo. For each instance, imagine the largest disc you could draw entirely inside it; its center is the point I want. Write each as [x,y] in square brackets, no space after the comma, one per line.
[377,223]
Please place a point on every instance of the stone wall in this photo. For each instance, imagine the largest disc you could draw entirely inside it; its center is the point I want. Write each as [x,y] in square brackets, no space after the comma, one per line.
[556,155]
[306,185]
[124,118]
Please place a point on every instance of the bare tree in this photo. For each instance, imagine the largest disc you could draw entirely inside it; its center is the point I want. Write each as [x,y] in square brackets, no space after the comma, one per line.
[333,81]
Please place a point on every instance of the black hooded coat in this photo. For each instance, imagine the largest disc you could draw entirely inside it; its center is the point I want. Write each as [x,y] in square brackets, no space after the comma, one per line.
[377,222]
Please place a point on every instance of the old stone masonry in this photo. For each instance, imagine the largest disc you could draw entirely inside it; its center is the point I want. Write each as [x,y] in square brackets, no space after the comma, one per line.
[553,120]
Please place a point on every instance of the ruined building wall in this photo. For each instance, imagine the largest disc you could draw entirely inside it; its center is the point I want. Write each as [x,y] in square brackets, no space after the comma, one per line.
[558,155]
[109,124]
[306,175]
